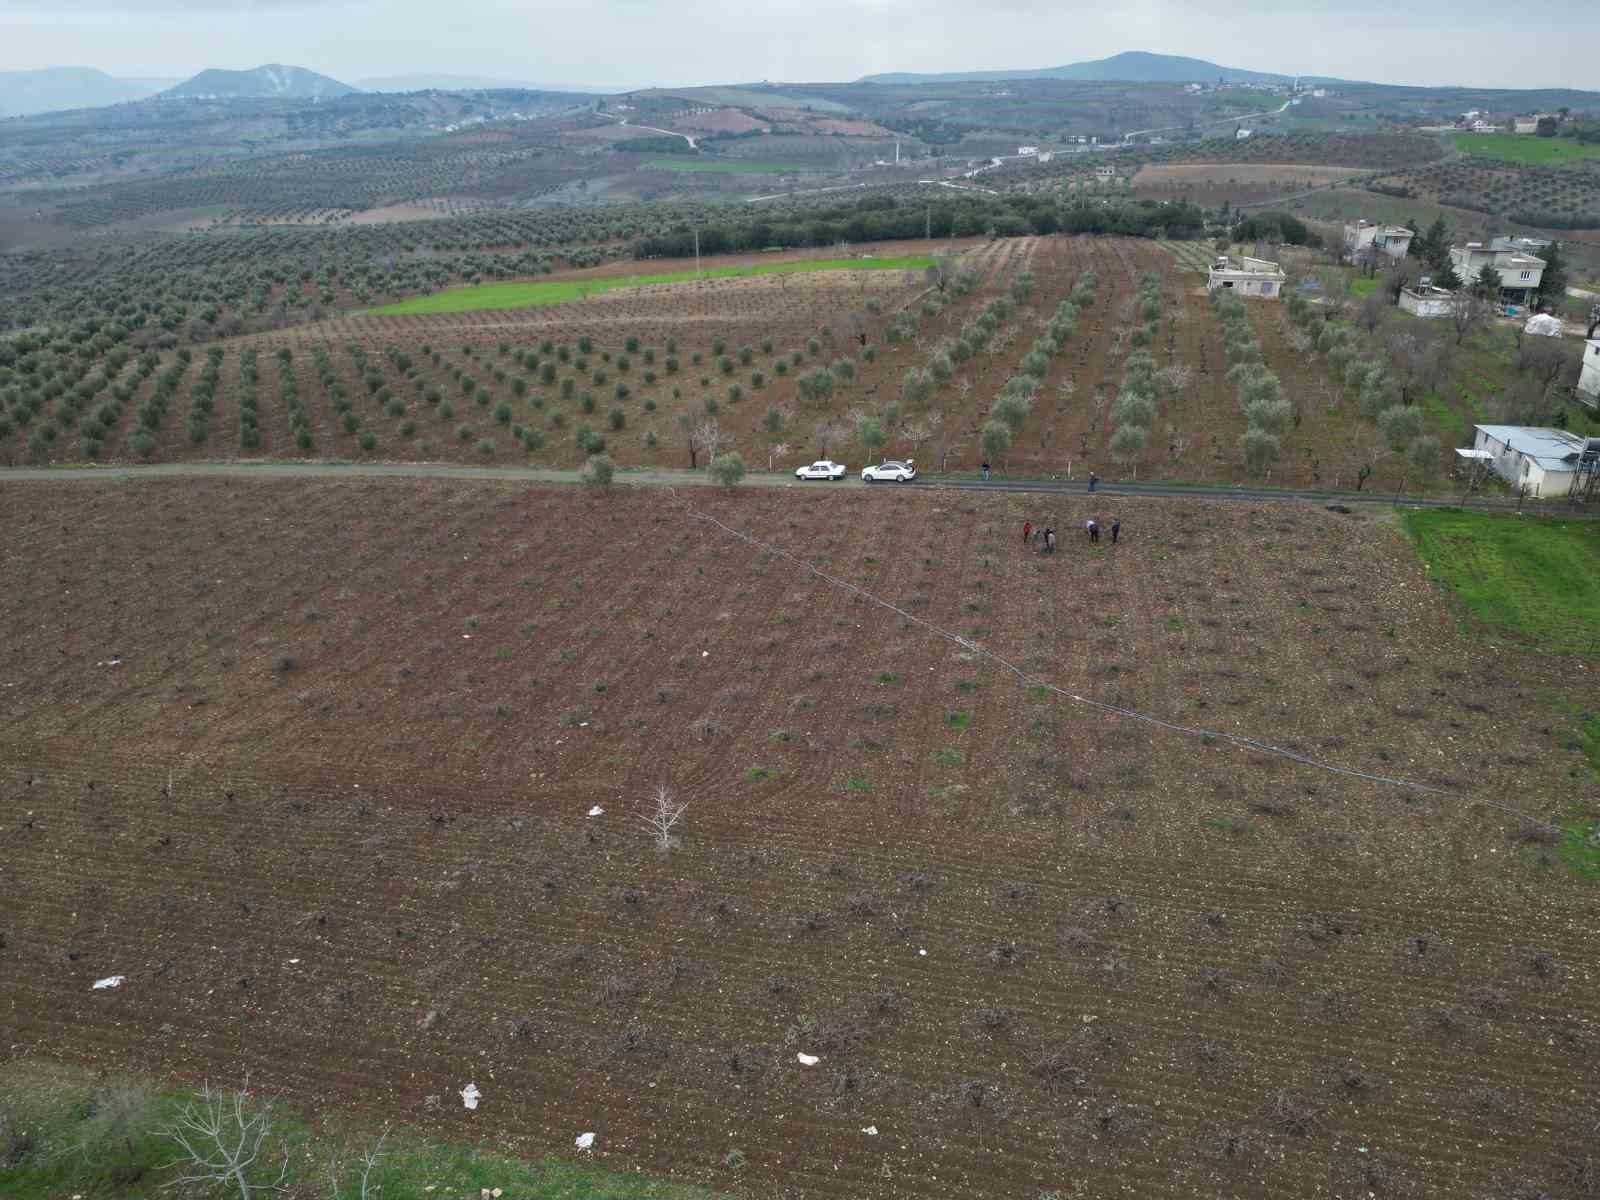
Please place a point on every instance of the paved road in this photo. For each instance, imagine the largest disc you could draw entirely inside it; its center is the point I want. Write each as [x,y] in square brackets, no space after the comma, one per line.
[669,478]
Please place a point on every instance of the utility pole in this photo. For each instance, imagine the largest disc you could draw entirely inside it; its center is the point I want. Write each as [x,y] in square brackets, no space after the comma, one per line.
[927,229]
[697,252]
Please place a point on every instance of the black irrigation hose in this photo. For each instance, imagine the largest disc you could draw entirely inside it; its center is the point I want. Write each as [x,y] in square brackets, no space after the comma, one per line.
[1023,677]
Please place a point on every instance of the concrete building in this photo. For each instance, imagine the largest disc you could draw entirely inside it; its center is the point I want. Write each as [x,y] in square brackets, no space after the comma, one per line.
[1525,125]
[1246,276]
[1427,301]
[1589,380]
[1519,273]
[1393,240]
[1545,461]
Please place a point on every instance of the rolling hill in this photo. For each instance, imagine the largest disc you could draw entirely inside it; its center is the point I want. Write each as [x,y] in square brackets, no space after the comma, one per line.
[59,89]
[272,81]
[1134,66]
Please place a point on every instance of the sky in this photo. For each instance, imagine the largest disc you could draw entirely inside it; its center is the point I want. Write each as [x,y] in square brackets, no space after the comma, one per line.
[675,43]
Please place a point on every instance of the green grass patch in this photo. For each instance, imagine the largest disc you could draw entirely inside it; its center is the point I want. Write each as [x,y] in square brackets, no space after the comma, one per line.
[1364,287]
[1524,148]
[68,1132]
[711,166]
[960,719]
[758,774]
[948,756]
[564,291]
[885,678]
[856,784]
[1580,849]
[1530,580]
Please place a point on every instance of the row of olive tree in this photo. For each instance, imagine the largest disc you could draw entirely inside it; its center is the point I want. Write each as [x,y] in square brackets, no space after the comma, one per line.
[1380,385]
[1267,411]
[1135,408]
[1011,407]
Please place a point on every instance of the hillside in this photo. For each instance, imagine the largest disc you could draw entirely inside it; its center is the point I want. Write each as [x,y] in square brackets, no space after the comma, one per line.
[1134,66]
[57,89]
[422,81]
[272,81]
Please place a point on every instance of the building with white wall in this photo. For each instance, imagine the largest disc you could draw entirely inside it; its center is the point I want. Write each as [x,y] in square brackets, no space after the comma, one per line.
[1519,273]
[1393,240]
[1247,277]
[1589,380]
[1544,461]
[1427,301]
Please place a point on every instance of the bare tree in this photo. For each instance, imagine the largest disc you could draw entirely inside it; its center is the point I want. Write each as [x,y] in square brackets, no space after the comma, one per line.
[1176,378]
[826,434]
[365,1165]
[775,451]
[707,437]
[1374,308]
[661,815]
[222,1141]
[1467,312]
[1544,359]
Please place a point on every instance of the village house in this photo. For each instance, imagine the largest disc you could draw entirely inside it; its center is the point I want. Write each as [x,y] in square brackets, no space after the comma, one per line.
[1589,380]
[1246,276]
[1525,125]
[1241,135]
[1393,240]
[1425,300]
[1482,126]
[1027,151]
[1519,273]
[1105,171]
[1544,461]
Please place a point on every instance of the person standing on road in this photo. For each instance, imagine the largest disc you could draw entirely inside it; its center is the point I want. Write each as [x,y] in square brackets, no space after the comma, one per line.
[986,468]
[1093,480]
[1049,541]
[1093,528]
[1027,532]
[1116,528]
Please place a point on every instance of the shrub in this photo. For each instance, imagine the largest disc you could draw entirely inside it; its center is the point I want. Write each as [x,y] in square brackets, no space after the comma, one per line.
[727,469]
[616,418]
[597,472]
[369,441]
[1260,449]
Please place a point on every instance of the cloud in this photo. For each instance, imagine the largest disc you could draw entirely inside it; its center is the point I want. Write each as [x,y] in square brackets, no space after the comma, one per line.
[667,42]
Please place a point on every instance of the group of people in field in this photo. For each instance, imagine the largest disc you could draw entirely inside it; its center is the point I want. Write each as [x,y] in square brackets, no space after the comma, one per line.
[1044,537]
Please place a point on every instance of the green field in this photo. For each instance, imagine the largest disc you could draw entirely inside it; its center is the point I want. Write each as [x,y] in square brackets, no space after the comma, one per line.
[537,295]
[722,166]
[70,1131]
[1524,148]
[1534,581]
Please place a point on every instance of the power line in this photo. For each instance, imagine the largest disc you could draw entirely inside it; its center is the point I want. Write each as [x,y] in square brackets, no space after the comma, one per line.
[1023,677]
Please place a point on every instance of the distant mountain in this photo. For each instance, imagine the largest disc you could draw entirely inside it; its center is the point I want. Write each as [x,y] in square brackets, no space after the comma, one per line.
[425,81]
[1133,66]
[272,81]
[56,89]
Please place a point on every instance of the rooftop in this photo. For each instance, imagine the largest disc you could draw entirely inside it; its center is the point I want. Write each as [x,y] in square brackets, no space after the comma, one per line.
[1552,449]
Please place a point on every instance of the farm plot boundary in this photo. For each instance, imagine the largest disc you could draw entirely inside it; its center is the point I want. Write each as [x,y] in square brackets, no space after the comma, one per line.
[538,295]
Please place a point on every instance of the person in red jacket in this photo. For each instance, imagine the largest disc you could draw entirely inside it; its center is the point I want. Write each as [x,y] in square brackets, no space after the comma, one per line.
[1027,531]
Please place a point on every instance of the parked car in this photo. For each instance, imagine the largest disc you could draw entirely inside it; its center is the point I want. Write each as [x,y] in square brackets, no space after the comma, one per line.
[890,471]
[821,469]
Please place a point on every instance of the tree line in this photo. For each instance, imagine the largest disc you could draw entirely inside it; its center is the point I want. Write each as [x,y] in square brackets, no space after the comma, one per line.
[883,218]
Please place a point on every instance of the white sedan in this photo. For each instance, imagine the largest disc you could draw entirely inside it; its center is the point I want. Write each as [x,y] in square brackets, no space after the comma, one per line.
[821,469]
[890,471]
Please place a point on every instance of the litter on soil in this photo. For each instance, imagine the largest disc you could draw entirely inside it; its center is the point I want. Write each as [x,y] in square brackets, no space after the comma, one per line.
[597,811]
[110,981]
[470,1095]
[585,1141]
[808,1060]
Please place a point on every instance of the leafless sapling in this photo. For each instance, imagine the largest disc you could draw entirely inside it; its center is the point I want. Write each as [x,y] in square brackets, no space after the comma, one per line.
[662,814]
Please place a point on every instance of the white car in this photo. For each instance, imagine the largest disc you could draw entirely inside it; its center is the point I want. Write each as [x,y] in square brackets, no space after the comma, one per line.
[821,469]
[890,471]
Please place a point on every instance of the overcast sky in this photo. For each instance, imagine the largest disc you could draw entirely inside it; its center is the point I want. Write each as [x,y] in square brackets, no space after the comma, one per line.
[635,43]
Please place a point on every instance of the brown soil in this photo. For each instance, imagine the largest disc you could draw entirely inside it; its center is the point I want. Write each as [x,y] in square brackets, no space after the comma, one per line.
[328,818]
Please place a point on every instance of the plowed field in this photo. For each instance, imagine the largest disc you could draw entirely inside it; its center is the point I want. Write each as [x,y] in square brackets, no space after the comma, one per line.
[311,765]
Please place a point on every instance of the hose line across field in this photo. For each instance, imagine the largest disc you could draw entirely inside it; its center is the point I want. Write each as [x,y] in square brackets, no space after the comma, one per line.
[1248,743]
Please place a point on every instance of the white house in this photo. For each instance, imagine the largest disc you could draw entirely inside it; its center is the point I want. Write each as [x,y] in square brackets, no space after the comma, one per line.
[1427,301]
[1241,134]
[1589,380]
[1485,127]
[1027,151]
[1105,171]
[1393,240]
[1247,277]
[1525,125]
[1545,461]
[1519,273]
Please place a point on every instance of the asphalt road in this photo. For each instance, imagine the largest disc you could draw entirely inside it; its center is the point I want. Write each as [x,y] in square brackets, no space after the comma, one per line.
[667,478]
